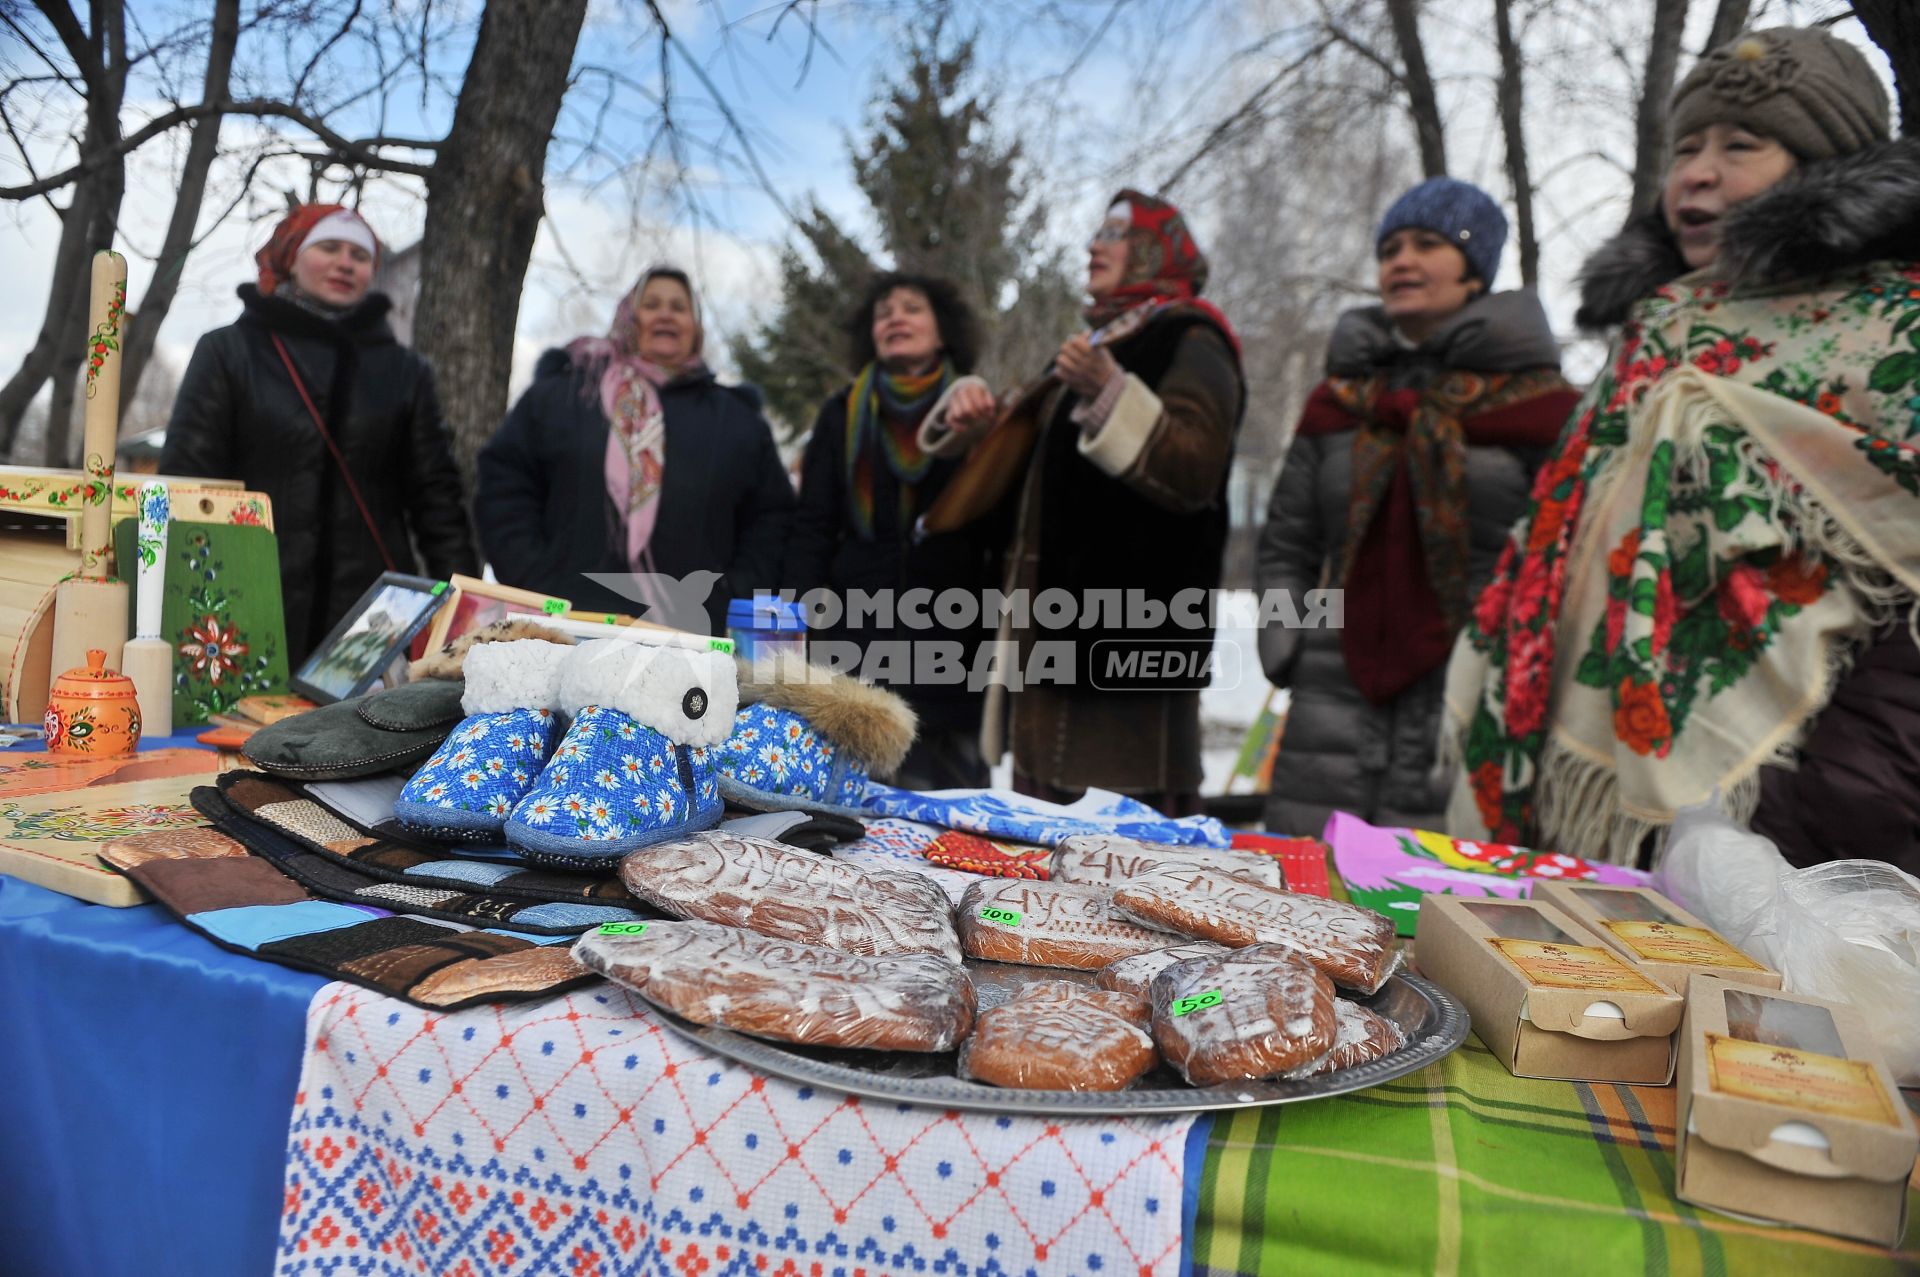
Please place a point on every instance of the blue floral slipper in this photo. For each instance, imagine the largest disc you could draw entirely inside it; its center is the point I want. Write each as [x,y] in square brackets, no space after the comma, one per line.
[636,766]
[466,790]
[809,739]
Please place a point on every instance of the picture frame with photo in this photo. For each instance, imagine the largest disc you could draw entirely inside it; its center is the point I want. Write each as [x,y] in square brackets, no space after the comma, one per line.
[471,604]
[353,656]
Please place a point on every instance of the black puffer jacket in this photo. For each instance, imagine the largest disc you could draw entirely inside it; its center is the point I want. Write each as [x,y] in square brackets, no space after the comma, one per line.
[825,552]
[546,519]
[1340,751]
[238,416]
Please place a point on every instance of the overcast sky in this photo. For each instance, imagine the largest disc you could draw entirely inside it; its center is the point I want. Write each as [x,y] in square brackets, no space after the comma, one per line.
[1084,131]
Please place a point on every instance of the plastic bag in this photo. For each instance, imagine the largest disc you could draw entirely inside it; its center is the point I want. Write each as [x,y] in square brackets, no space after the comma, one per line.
[1850,931]
[1847,931]
[1725,874]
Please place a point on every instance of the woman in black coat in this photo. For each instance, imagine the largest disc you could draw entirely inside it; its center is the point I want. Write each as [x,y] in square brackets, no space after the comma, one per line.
[864,481]
[377,487]
[626,462]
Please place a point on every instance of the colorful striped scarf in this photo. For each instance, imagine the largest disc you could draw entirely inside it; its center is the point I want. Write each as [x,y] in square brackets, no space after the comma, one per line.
[883,420]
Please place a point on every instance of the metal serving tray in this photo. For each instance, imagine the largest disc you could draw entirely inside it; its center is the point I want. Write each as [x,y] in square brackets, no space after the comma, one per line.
[1434,1021]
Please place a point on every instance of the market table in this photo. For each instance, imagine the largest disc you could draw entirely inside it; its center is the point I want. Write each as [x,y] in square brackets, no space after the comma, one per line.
[151,1078]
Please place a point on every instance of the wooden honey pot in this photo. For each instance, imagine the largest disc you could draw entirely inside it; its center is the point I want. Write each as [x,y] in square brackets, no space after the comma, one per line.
[93,711]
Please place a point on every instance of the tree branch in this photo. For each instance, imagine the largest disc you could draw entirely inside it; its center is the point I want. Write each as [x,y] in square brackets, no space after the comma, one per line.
[342,149]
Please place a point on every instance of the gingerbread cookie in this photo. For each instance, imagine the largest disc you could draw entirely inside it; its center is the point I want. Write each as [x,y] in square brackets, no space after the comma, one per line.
[1111,860]
[1049,924]
[1256,1013]
[1354,946]
[777,890]
[1360,1035]
[1059,1037]
[787,990]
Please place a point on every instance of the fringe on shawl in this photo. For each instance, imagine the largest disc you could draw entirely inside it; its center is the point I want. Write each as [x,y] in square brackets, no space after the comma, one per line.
[1577,800]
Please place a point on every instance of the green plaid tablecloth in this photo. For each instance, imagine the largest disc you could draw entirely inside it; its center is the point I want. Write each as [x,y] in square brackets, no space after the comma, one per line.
[1464,1168]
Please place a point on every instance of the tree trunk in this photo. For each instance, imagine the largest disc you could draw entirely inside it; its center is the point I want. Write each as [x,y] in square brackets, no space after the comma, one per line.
[72,262]
[1895,27]
[1729,20]
[104,189]
[145,322]
[1422,102]
[484,205]
[1656,87]
[1512,123]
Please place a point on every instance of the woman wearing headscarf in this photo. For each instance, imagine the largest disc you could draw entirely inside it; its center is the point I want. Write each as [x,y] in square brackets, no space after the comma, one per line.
[1713,586]
[864,480]
[309,399]
[627,463]
[1122,509]
[1411,461]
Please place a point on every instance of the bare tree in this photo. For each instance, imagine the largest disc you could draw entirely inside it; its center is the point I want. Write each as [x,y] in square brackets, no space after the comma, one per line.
[1512,94]
[484,206]
[1729,20]
[1895,27]
[98,59]
[189,195]
[1656,87]
[1422,102]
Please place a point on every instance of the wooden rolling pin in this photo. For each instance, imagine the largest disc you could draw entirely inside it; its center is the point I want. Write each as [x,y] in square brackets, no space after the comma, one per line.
[149,658]
[90,607]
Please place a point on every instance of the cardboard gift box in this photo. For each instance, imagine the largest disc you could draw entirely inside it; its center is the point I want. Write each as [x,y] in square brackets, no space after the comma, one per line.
[1655,934]
[1788,1113]
[1545,995]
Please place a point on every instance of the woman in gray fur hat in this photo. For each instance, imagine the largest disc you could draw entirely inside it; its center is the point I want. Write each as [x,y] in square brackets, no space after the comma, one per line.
[1714,584]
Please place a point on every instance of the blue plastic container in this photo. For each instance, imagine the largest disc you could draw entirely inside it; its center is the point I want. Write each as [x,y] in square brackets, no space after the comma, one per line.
[767,628]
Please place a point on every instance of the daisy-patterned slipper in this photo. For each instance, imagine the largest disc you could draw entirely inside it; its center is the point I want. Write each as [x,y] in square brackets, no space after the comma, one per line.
[636,765]
[468,788]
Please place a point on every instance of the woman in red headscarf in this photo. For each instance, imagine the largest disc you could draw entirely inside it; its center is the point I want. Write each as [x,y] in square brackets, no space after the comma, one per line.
[308,398]
[1123,508]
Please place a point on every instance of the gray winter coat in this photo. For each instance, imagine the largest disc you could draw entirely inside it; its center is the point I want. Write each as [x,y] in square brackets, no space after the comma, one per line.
[1340,752]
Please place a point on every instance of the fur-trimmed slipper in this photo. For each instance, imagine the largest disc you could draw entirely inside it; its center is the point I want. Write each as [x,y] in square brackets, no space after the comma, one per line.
[468,788]
[808,739]
[450,661]
[636,766]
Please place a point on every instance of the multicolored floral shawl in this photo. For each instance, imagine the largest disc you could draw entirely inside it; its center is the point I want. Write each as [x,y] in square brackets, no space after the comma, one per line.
[1405,562]
[1734,507]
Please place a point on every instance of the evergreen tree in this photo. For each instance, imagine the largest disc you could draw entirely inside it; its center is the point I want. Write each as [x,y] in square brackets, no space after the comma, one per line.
[948,200]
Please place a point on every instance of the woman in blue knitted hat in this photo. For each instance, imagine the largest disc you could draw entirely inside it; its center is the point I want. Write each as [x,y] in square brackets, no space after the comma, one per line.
[1410,461]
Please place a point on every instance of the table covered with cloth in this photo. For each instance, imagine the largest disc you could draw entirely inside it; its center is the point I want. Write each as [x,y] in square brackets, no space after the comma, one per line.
[1464,1168]
[172,1108]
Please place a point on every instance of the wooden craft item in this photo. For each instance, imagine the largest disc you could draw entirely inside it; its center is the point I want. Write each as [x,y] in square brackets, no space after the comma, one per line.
[471,604]
[23,774]
[220,614]
[90,611]
[52,840]
[93,710]
[148,660]
[40,546]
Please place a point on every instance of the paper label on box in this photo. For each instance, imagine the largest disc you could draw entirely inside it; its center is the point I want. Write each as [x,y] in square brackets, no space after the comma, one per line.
[1797,1079]
[1667,942]
[1572,966]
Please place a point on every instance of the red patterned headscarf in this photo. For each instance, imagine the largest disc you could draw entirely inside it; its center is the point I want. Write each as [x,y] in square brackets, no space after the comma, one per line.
[276,259]
[1163,261]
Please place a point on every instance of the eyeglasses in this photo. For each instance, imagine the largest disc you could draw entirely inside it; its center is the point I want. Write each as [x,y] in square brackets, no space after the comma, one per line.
[1110,233]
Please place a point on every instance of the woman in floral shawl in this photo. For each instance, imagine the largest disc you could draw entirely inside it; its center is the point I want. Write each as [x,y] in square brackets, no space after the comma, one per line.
[1714,584]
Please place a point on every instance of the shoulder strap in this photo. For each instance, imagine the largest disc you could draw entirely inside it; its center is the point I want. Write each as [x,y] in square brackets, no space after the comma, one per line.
[353,488]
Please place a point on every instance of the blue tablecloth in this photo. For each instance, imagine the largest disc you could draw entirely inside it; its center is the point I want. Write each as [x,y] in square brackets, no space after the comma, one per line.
[135,1060]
